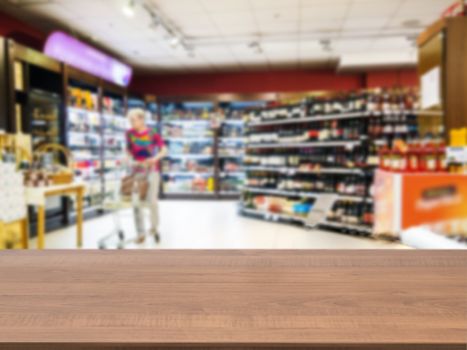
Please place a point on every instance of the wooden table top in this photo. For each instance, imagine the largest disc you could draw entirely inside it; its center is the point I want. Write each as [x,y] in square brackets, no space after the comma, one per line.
[232,299]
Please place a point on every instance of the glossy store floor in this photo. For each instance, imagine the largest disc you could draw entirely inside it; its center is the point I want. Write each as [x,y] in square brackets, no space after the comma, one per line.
[212,225]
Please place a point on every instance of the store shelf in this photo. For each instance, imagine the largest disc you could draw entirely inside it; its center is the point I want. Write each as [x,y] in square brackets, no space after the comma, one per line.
[232,173]
[189,193]
[230,193]
[190,156]
[231,155]
[232,139]
[272,216]
[350,198]
[186,173]
[93,133]
[189,139]
[347,227]
[304,144]
[81,110]
[186,122]
[327,117]
[290,170]
[317,118]
[281,192]
[232,121]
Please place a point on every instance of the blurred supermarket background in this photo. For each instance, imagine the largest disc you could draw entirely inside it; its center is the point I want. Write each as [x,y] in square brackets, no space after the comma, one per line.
[288,123]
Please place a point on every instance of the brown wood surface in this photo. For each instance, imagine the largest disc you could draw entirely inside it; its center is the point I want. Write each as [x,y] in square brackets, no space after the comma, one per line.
[233,299]
[431,55]
[77,74]
[434,29]
[456,73]
[37,58]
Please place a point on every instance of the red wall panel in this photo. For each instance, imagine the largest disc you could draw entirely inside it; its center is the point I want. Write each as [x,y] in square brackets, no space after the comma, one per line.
[391,78]
[21,32]
[274,81]
[247,82]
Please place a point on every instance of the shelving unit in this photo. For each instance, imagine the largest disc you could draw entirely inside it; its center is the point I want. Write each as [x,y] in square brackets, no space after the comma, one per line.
[189,168]
[332,156]
[84,137]
[206,148]
[34,105]
[346,144]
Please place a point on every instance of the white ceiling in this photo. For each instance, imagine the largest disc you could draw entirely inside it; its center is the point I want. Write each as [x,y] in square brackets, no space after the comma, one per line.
[289,31]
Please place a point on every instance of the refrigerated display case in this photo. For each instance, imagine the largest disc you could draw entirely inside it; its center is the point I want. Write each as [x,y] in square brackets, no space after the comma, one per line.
[84,139]
[231,147]
[189,168]
[114,126]
[44,117]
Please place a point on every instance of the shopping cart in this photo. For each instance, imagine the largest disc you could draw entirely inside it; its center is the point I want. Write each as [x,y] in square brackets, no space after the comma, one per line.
[118,206]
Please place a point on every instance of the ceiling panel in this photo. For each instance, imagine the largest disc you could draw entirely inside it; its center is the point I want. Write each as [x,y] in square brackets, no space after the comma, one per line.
[400,43]
[372,8]
[181,6]
[234,23]
[279,28]
[364,24]
[323,11]
[274,4]
[92,8]
[225,6]
[352,45]
[277,16]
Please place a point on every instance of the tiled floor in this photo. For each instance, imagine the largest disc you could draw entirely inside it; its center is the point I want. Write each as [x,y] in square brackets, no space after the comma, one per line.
[214,225]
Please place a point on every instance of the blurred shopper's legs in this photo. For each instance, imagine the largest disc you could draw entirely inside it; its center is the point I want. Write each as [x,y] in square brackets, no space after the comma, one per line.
[152,203]
[153,199]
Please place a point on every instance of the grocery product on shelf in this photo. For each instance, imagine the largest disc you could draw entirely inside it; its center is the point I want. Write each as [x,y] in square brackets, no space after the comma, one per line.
[189,184]
[456,153]
[277,207]
[423,156]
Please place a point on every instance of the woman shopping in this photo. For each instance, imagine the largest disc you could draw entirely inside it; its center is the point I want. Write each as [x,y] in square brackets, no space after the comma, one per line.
[145,148]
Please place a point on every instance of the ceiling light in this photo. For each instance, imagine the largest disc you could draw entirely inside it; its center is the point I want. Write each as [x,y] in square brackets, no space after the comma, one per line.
[377,59]
[172,34]
[256,47]
[129,9]
[174,41]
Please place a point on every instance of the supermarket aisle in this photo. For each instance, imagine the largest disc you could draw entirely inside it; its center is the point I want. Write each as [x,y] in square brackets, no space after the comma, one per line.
[215,225]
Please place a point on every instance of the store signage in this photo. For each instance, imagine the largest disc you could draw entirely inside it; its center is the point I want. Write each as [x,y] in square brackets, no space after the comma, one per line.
[75,53]
[431,88]
[456,9]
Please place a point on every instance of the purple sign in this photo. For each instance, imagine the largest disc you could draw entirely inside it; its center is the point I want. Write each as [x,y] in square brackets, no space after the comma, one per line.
[69,50]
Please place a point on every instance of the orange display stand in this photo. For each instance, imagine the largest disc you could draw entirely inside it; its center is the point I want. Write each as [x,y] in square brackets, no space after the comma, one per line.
[435,200]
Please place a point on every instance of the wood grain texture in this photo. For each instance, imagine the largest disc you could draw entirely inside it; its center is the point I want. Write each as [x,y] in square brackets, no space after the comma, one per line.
[233,299]
[455,84]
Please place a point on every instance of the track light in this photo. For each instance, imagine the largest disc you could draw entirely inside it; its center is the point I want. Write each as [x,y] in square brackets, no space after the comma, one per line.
[326,45]
[155,22]
[129,9]
[256,47]
[172,34]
